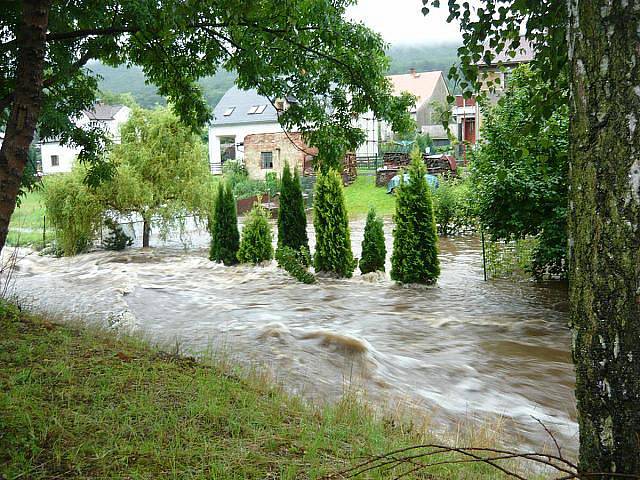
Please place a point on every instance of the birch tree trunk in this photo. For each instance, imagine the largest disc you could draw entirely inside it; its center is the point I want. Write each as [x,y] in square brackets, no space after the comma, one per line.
[25,109]
[604,230]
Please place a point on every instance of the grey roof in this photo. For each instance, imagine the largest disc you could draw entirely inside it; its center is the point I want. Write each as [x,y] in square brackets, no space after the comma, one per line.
[243,100]
[100,111]
[524,53]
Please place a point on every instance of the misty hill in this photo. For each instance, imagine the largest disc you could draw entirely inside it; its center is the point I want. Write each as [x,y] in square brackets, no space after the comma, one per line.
[122,79]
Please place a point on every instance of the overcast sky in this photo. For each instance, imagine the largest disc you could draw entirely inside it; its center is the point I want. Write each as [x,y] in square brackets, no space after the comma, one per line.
[401,22]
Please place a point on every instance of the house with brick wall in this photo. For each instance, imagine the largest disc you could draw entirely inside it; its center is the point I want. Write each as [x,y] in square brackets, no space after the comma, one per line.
[245,127]
[239,113]
[269,152]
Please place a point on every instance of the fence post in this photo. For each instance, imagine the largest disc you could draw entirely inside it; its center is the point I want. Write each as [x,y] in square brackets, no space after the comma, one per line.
[484,259]
[44,230]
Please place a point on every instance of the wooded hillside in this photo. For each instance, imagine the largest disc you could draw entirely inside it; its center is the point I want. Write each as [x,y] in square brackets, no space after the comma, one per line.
[123,79]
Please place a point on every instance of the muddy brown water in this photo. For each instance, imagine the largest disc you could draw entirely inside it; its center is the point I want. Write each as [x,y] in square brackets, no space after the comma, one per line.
[463,350]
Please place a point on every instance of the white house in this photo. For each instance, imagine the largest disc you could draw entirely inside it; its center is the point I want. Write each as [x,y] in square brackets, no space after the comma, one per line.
[238,113]
[57,158]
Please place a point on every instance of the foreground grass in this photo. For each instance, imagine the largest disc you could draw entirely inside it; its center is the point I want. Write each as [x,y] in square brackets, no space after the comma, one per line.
[363,194]
[78,402]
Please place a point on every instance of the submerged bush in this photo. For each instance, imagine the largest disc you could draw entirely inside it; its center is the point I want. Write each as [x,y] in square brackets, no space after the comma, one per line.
[117,239]
[223,227]
[333,240]
[294,262]
[415,241]
[255,246]
[374,250]
[292,219]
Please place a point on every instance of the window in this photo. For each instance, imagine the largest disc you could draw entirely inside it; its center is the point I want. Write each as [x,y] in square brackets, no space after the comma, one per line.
[227,148]
[256,109]
[229,111]
[267,160]
[55,161]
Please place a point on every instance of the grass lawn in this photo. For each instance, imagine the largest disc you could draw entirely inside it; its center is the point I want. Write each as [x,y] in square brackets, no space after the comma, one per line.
[77,402]
[26,224]
[363,194]
[30,212]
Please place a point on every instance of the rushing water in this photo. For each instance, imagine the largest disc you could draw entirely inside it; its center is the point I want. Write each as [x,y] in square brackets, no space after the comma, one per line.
[466,348]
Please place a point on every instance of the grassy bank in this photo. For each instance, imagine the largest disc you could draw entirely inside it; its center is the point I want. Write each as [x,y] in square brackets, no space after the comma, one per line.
[78,402]
[363,194]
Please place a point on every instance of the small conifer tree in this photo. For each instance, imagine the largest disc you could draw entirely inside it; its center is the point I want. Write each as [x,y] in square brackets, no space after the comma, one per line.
[333,240]
[415,240]
[292,219]
[255,246]
[224,227]
[374,250]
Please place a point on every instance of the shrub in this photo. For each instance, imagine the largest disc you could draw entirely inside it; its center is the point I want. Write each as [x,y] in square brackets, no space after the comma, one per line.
[519,172]
[294,262]
[234,172]
[292,219]
[117,239]
[248,188]
[415,241]
[255,246]
[452,206]
[74,210]
[333,240]
[374,251]
[224,227]
[271,183]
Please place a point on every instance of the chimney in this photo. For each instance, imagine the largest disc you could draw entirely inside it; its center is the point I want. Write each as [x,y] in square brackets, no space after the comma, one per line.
[412,72]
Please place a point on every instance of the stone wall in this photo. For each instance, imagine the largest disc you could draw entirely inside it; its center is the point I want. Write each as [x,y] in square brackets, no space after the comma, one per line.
[284,147]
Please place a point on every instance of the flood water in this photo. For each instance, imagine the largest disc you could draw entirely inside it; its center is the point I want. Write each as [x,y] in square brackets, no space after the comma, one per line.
[462,350]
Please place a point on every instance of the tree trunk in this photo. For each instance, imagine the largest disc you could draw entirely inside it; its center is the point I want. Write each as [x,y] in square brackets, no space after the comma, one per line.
[146,233]
[604,230]
[25,109]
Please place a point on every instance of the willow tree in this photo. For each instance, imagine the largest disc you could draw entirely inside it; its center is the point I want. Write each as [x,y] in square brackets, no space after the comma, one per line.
[280,48]
[594,45]
[161,172]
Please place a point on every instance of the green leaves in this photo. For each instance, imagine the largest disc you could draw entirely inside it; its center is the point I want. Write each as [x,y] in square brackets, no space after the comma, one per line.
[415,241]
[333,241]
[374,251]
[255,246]
[520,174]
[223,226]
[292,219]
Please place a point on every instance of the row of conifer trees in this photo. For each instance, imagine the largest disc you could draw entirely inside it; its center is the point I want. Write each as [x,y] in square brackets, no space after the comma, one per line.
[415,250]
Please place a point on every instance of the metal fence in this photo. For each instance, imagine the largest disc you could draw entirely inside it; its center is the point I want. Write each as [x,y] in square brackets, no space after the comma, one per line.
[508,259]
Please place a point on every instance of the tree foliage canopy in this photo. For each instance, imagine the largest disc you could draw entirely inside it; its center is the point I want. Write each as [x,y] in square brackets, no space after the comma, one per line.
[520,171]
[161,168]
